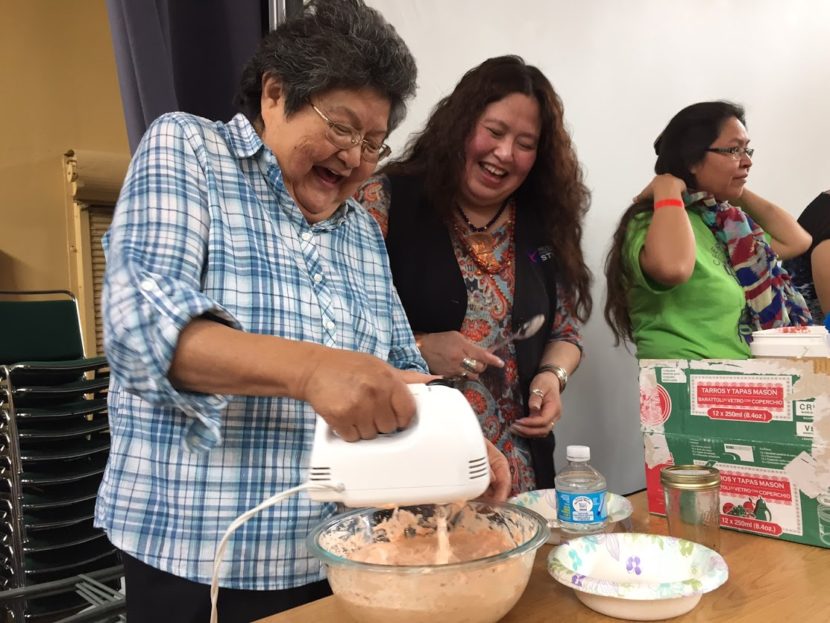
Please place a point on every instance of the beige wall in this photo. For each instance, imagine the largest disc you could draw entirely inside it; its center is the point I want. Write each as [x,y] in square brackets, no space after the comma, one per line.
[58,91]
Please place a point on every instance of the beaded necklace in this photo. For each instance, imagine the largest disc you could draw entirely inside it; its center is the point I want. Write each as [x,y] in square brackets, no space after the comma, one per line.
[488,224]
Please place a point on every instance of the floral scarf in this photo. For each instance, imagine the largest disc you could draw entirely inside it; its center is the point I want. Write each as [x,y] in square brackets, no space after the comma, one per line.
[771,299]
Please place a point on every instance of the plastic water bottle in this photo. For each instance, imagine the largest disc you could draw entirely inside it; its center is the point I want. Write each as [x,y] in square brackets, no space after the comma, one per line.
[581,494]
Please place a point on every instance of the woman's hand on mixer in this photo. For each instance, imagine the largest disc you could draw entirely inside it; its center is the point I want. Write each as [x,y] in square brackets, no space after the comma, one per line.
[412,377]
[451,354]
[499,487]
[359,395]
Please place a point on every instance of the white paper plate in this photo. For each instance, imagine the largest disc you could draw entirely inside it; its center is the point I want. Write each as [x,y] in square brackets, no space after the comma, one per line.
[640,577]
[543,501]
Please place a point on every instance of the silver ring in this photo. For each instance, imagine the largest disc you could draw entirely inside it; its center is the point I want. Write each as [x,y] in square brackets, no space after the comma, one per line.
[470,365]
[537,392]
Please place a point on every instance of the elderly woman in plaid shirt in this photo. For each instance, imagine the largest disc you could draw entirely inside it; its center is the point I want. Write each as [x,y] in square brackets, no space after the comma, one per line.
[245,293]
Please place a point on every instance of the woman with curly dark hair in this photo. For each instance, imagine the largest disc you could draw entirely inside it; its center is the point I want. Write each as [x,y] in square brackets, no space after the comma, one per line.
[690,272]
[482,217]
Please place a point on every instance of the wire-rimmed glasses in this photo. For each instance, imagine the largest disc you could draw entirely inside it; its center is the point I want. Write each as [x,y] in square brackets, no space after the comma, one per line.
[345,136]
[736,153]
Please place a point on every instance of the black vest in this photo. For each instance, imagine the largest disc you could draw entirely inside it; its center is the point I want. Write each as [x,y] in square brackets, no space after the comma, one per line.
[434,294]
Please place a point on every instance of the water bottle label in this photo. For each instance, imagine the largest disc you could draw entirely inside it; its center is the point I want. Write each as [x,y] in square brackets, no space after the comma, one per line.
[581,507]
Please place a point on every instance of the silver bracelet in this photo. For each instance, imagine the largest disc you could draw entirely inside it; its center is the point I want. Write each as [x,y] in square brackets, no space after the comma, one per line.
[560,372]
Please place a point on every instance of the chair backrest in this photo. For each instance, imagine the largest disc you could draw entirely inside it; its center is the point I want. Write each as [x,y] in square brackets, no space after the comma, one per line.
[39,326]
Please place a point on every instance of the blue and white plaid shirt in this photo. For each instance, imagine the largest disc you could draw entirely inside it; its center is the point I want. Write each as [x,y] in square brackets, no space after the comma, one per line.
[204,225]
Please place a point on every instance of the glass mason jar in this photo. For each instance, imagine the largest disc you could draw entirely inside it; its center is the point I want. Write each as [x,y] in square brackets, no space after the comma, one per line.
[693,503]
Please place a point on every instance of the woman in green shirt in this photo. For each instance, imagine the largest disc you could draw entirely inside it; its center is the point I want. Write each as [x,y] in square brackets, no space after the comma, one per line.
[694,267]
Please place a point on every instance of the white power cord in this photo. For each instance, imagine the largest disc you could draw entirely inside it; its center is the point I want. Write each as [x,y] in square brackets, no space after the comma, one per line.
[220,552]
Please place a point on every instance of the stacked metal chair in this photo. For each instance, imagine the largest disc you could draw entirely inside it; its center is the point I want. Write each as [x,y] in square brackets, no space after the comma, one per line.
[54,443]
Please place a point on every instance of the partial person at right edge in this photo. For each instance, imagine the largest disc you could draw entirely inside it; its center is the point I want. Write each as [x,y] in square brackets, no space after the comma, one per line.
[691,274]
[810,271]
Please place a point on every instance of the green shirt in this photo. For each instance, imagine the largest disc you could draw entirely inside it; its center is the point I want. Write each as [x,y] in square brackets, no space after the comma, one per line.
[697,319]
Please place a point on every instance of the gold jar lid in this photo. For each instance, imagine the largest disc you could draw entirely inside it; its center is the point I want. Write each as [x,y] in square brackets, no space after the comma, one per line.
[690,477]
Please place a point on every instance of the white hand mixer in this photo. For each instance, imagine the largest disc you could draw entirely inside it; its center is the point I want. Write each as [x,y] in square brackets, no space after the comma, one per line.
[440,458]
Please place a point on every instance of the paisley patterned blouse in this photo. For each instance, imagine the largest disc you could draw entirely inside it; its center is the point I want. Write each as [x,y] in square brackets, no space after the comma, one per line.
[496,396]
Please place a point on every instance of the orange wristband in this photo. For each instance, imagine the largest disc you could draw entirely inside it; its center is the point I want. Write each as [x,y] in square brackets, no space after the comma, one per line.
[665,203]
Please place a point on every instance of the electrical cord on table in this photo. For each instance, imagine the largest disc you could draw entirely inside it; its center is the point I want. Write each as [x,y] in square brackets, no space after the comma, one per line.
[236,523]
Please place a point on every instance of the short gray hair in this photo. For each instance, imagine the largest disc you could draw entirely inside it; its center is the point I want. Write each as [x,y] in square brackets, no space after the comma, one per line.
[333,44]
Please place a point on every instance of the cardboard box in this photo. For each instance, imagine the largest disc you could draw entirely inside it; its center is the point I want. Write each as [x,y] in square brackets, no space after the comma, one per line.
[764,423]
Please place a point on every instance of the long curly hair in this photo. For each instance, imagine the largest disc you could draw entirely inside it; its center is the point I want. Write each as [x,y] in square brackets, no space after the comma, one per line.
[554,187]
[680,146]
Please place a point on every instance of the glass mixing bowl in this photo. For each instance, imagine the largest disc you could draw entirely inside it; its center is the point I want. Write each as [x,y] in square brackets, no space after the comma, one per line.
[480,590]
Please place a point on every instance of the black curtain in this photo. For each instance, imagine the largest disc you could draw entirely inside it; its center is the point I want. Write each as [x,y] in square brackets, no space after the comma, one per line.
[182,55]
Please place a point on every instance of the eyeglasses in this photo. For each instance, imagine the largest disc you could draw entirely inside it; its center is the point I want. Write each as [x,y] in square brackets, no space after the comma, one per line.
[736,153]
[345,136]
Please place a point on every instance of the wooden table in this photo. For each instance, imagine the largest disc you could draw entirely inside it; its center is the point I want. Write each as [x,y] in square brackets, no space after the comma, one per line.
[769,581]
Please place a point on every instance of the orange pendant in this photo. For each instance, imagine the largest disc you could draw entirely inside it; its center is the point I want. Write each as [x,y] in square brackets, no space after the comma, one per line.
[481,247]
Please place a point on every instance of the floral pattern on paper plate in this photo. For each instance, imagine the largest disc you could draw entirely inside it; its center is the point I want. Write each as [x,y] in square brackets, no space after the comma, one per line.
[637,566]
